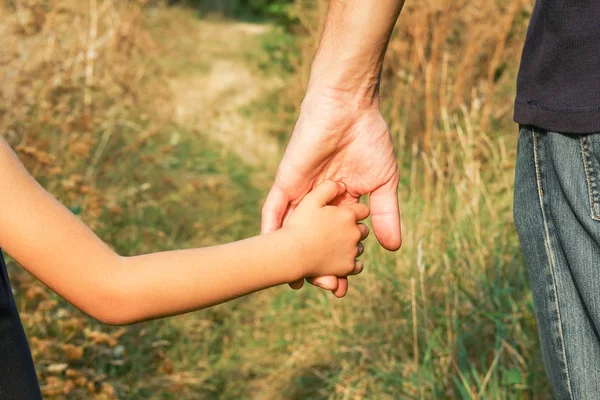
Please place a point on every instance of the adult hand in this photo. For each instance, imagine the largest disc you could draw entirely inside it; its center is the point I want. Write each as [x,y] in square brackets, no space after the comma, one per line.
[339,138]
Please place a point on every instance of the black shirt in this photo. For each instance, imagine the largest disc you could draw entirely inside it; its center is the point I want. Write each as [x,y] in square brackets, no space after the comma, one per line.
[17,372]
[558,87]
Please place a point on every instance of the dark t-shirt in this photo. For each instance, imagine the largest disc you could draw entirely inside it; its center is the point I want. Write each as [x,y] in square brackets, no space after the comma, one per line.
[558,87]
[17,372]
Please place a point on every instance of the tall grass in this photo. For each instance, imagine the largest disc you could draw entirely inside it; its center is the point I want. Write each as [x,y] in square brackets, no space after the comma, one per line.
[451,314]
[85,103]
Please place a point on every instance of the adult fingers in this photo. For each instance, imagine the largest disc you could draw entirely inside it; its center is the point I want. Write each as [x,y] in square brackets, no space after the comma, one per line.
[288,213]
[273,210]
[344,199]
[325,282]
[361,211]
[324,193]
[385,215]
[342,288]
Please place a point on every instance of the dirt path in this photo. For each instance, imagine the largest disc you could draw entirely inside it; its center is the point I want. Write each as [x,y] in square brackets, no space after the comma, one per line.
[215,80]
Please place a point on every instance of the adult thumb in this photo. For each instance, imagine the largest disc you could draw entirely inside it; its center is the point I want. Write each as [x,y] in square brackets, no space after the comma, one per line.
[385,215]
[273,210]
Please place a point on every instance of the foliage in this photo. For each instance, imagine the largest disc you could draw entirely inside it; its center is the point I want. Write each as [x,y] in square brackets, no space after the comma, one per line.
[279,11]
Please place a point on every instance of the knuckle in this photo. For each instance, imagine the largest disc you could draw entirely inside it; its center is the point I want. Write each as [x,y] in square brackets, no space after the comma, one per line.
[351,266]
[338,213]
[329,184]
[348,214]
[345,268]
[359,267]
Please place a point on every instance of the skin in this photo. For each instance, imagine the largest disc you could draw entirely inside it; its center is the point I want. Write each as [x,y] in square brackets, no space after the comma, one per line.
[340,133]
[55,246]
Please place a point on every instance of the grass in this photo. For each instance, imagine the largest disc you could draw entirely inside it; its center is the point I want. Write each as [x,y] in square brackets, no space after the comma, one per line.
[449,316]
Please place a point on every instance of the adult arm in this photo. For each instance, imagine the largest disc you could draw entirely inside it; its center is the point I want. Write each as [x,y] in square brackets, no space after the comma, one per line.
[56,247]
[340,133]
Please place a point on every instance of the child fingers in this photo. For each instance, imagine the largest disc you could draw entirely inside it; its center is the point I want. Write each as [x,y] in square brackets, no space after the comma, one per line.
[358,268]
[325,193]
[297,285]
[360,249]
[364,231]
[361,211]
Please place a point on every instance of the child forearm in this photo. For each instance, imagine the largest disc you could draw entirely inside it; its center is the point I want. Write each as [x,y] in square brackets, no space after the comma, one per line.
[51,243]
[174,282]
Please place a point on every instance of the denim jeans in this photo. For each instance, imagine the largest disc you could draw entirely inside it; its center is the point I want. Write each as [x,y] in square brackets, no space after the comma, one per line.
[557,215]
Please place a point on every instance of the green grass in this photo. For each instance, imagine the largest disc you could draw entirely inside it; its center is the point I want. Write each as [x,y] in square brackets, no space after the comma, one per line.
[170,214]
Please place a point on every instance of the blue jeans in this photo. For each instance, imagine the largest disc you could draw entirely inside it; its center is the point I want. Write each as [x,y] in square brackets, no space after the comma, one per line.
[557,215]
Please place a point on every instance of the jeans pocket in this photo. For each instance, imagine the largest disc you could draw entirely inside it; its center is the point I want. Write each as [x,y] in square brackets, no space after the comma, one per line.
[590,149]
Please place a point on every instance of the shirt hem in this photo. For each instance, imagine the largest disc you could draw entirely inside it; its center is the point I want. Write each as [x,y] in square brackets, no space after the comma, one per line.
[575,121]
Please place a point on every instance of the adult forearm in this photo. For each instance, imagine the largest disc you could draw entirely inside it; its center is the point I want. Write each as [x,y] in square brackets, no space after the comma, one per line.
[352,47]
[174,282]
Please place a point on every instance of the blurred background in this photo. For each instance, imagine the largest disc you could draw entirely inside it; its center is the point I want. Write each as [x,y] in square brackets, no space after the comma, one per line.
[160,124]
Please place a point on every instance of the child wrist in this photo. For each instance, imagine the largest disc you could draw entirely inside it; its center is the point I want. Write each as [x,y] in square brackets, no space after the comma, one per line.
[299,255]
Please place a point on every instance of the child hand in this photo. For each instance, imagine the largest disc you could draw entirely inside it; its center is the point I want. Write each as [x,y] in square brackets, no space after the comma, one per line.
[328,236]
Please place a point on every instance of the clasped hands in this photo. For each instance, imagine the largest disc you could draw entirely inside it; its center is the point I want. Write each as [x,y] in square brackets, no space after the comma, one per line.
[347,142]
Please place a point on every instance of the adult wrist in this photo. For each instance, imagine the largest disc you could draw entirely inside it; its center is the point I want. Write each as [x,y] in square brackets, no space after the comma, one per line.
[348,69]
[324,92]
[346,83]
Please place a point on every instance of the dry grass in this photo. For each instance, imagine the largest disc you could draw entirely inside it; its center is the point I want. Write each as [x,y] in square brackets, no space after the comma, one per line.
[453,313]
[85,102]
[63,64]
[86,105]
